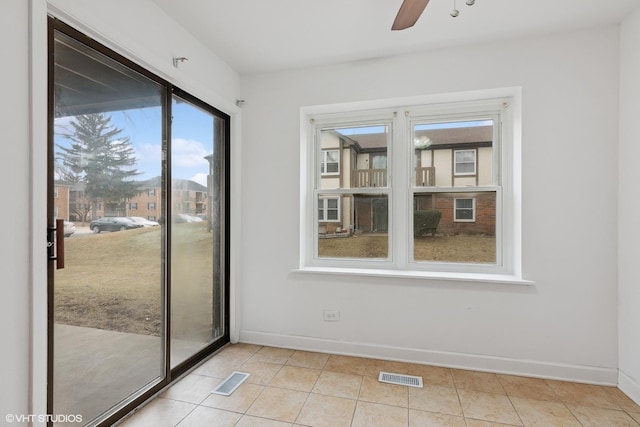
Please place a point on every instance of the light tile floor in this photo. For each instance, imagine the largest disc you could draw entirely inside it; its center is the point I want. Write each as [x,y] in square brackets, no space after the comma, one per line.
[290,388]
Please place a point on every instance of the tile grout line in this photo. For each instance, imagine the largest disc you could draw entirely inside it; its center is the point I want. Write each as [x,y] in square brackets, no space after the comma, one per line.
[619,407]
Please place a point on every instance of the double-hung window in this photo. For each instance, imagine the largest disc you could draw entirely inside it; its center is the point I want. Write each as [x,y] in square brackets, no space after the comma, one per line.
[465,162]
[330,162]
[329,209]
[415,189]
[465,210]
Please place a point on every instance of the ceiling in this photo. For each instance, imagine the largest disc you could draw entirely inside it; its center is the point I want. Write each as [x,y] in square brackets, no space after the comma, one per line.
[255,36]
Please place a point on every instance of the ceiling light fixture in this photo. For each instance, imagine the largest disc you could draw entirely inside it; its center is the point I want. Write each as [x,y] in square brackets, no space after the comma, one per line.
[455,12]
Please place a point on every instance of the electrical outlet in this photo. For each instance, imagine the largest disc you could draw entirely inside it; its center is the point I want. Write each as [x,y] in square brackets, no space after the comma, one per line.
[331,315]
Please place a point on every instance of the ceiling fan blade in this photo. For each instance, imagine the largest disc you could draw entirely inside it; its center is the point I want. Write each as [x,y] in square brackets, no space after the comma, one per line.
[409,13]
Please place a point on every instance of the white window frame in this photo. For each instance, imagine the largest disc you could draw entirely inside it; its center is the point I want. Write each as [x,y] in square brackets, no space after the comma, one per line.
[325,209]
[323,162]
[456,163]
[455,209]
[402,113]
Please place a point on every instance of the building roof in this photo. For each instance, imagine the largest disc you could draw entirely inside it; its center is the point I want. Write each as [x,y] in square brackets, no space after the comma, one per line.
[438,137]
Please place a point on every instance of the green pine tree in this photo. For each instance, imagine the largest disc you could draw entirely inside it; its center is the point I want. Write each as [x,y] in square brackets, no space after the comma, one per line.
[102,159]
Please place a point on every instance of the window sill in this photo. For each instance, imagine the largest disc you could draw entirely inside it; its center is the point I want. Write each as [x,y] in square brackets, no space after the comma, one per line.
[420,275]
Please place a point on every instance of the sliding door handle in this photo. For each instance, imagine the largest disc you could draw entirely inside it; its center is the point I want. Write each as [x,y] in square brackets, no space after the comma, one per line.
[58,242]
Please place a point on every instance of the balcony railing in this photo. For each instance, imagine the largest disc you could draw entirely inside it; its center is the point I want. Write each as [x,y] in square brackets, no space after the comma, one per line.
[425,177]
[363,178]
[368,178]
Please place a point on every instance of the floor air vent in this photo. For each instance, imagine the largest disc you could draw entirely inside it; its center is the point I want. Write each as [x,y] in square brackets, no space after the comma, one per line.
[230,384]
[399,379]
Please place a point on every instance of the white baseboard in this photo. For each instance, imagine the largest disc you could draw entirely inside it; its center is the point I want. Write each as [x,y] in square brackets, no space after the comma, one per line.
[503,365]
[629,387]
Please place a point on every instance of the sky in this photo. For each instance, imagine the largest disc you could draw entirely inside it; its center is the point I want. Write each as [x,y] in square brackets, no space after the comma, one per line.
[428,126]
[192,139]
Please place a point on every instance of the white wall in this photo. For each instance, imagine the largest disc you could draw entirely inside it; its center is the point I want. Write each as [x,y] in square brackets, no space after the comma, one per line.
[629,220]
[564,326]
[14,246]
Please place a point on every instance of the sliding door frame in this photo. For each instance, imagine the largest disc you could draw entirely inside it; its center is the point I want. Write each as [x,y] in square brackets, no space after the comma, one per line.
[110,417]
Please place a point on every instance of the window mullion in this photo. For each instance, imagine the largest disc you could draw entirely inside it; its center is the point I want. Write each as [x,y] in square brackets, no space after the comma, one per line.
[400,173]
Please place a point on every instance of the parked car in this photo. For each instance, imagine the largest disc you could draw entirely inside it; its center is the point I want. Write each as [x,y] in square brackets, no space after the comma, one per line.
[145,222]
[180,218]
[69,228]
[112,223]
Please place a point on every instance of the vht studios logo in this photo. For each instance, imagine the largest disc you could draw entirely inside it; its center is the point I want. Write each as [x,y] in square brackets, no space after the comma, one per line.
[43,418]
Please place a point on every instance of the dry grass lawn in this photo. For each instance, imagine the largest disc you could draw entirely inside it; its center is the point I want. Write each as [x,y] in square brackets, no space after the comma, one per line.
[114,281]
[461,248]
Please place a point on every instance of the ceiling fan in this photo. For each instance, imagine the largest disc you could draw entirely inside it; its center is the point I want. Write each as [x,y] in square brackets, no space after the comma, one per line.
[410,11]
[408,15]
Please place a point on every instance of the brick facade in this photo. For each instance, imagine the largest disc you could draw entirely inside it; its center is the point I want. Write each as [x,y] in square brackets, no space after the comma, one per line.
[189,197]
[485,212]
[61,201]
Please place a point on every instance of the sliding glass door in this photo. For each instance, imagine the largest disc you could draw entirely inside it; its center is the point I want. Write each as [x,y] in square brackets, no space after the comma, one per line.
[137,225]
[197,276]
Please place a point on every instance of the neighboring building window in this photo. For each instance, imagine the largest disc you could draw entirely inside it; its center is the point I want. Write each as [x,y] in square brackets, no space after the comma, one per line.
[151,206]
[152,192]
[133,206]
[330,162]
[55,192]
[464,210]
[450,209]
[465,162]
[379,161]
[329,209]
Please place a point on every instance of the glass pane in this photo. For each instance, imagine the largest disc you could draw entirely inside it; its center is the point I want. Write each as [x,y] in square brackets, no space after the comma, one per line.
[455,227]
[196,278]
[333,156]
[464,214]
[108,316]
[464,203]
[465,168]
[465,156]
[357,228]
[357,148]
[447,149]
[380,162]
[332,167]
